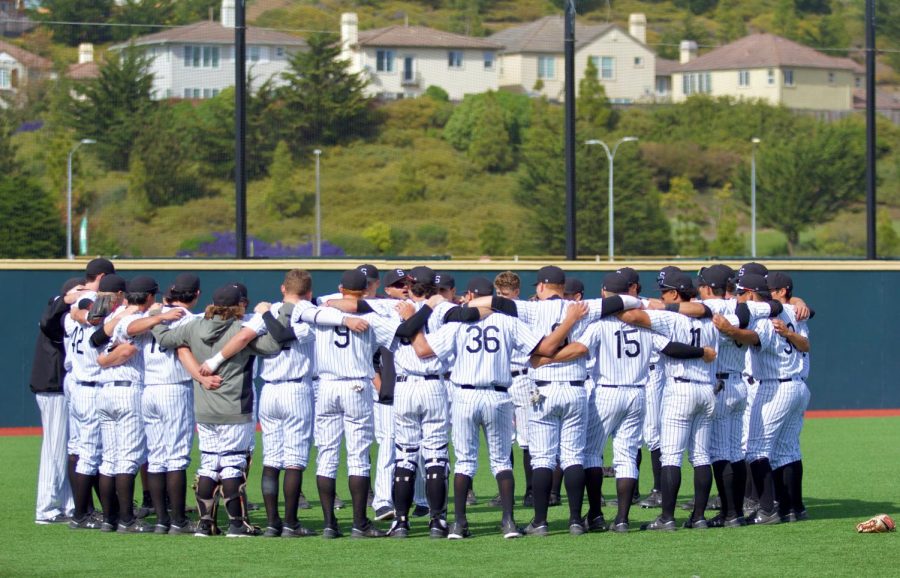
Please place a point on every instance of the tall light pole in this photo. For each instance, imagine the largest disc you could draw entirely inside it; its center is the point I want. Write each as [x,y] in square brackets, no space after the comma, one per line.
[755,142]
[318,247]
[83,141]
[611,155]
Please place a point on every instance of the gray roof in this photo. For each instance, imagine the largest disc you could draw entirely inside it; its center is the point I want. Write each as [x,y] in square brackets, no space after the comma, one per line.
[547,35]
[665,67]
[211,32]
[421,37]
[764,51]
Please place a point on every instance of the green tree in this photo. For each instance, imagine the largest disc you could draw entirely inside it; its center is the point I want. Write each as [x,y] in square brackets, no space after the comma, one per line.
[112,109]
[133,17]
[731,21]
[137,199]
[728,242]
[887,15]
[8,163]
[281,196]
[832,31]
[808,179]
[690,28]
[681,206]
[888,240]
[592,106]
[73,13]
[31,227]
[490,149]
[323,102]
[785,19]
[492,240]
[469,116]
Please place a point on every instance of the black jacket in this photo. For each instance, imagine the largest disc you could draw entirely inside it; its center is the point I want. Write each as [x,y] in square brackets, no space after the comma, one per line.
[47,370]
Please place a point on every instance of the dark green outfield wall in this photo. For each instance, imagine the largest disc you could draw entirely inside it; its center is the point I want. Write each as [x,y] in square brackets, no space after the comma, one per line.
[855,359]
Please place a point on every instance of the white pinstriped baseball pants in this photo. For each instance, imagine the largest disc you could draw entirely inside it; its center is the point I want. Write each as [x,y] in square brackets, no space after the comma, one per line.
[685,422]
[121,429]
[616,412]
[224,449]
[776,420]
[557,426]
[286,417]
[520,395]
[474,410]
[168,412]
[728,421]
[342,410]
[653,393]
[86,419]
[54,495]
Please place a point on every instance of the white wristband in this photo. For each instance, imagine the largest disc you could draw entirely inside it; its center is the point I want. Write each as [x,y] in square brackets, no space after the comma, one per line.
[214,362]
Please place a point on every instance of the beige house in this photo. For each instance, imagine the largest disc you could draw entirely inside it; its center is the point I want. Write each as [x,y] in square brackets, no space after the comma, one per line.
[18,68]
[770,68]
[533,58]
[403,61]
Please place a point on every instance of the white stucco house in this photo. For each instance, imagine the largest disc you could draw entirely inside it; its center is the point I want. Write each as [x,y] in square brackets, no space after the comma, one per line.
[18,68]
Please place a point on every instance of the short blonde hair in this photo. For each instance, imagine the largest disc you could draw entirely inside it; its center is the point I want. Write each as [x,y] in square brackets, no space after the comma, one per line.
[508,281]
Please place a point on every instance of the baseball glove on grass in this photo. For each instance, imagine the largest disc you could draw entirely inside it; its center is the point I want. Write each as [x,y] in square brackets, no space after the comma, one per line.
[876,525]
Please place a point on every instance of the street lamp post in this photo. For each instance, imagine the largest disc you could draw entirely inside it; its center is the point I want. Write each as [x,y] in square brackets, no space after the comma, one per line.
[318,247]
[84,141]
[755,142]
[611,155]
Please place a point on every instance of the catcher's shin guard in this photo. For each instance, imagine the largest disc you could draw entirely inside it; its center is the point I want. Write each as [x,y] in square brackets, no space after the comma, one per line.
[208,507]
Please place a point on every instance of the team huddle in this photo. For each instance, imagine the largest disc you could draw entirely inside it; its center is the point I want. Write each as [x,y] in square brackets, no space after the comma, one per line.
[716,366]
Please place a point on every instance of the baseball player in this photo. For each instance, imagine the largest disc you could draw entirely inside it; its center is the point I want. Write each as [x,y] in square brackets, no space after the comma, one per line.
[616,406]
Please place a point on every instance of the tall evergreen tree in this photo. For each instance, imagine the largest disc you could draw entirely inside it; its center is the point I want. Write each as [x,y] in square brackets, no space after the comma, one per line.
[592,107]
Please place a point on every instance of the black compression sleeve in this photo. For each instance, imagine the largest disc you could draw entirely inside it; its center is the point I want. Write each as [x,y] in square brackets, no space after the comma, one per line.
[707,312]
[611,305]
[504,305]
[363,307]
[776,308]
[812,312]
[682,350]
[462,315]
[743,315]
[279,332]
[99,338]
[415,323]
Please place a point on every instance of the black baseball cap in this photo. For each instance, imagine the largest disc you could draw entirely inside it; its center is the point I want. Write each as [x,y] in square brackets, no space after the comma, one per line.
[573,286]
[422,274]
[716,276]
[664,273]
[616,282]
[679,281]
[630,274]
[227,296]
[444,280]
[551,274]
[370,271]
[754,268]
[100,265]
[394,276]
[243,289]
[112,283]
[779,280]
[185,283]
[71,284]
[354,280]
[142,284]
[480,286]
[752,282]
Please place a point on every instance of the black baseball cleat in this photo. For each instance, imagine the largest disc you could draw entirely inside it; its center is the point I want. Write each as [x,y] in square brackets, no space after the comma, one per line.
[204,529]
[161,528]
[554,500]
[368,530]
[302,502]
[297,531]
[438,528]
[86,523]
[242,529]
[57,519]
[618,527]
[398,530]
[596,524]
[134,527]
[533,529]
[495,502]
[510,530]
[576,528]
[185,527]
[654,500]
[471,499]
[331,533]
[458,531]
[689,506]
[384,513]
[108,526]
[659,525]
[750,508]
[764,518]
[273,531]
[370,498]
[715,504]
[700,524]
[528,500]
[142,511]
[802,515]
[420,511]
[338,503]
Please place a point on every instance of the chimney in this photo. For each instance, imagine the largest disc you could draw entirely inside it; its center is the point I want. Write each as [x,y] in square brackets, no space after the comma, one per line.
[228,13]
[349,30]
[637,27]
[687,50]
[85,52]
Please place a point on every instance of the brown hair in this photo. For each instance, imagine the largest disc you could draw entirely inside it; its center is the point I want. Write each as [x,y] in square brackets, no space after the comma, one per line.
[224,313]
[297,282]
[507,280]
[349,293]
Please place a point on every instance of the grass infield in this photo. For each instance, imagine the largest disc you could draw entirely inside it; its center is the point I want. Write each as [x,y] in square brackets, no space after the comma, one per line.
[851,472]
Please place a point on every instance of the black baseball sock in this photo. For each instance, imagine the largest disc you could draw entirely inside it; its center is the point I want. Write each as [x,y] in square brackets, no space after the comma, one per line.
[108,499]
[206,488]
[703,478]
[526,464]
[125,492]
[738,485]
[624,491]
[506,485]
[146,496]
[176,489]
[762,479]
[231,490]
[403,492]
[71,463]
[542,478]
[436,489]
[82,486]
[593,480]
[292,479]
[157,487]
[574,477]
[793,479]
[461,485]
[670,478]
[781,493]
[359,495]
[722,469]
[556,490]
[270,479]
[327,489]
[638,459]
[750,489]
[656,465]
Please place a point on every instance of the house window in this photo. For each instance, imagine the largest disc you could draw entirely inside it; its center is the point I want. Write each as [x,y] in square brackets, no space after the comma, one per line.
[830,78]
[771,76]
[789,78]
[743,78]
[686,85]
[384,61]
[279,51]
[546,67]
[207,93]
[704,82]
[5,79]
[489,61]
[639,62]
[455,59]
[605,67]
[254,53]
[858,82]
[210,57]
[662,85]
[205,56]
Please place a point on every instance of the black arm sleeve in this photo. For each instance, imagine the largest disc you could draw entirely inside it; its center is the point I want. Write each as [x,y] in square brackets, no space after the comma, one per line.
[504,305]
[279,332]
[812,312]
[743,315]
[362,307]
[99,338]
[776,308]
[462,315]
[707,312]
[610,305]
[415,323]
[682,351]
[51,319]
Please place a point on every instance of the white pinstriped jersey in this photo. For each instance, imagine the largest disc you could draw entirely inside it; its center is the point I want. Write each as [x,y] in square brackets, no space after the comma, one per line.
[482,350]
[543,317]
[133,369]
[622,351]
[775,357]
[405,359]
[161,365]
[802,329]
[732,356]
[696,332]
[82,354]
[343,354]
[296,359]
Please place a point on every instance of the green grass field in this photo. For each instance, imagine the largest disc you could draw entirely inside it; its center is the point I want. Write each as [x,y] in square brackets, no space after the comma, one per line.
[851,471]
